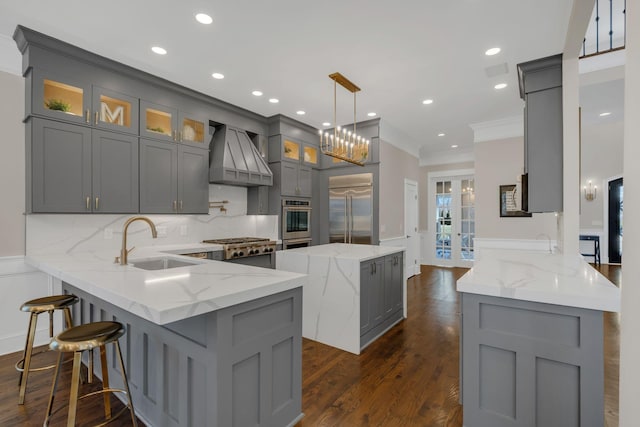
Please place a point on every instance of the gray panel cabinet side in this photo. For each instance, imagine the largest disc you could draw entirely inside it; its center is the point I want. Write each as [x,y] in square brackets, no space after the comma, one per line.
[527,363]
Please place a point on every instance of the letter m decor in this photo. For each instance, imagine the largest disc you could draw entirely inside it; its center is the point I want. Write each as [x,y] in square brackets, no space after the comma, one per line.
[108,116]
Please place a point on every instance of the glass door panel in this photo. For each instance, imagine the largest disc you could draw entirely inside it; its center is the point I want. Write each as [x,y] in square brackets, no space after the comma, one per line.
[192,130]
[311,155]
[291,150]
[158,121]
[114,111]
[63,98]
[467,220]
[443,220]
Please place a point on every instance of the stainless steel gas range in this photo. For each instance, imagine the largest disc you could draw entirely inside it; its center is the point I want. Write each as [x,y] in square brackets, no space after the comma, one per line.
[256,251]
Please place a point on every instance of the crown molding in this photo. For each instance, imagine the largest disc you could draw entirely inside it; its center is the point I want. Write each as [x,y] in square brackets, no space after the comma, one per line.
[507,127]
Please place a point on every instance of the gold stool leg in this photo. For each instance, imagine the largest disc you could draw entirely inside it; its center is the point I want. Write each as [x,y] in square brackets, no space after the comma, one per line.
[50,323]
[24,375]
[67,317]
[90,367]
[126,385]
[75,383]
[54,386]
[105,381]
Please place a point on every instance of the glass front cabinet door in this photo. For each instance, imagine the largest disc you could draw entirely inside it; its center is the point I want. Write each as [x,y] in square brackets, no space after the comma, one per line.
[193,130]
[114,111]
[60,98]
[158,121]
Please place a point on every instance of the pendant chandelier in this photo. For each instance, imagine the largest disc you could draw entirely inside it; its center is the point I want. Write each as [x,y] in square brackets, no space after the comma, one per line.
[344,144]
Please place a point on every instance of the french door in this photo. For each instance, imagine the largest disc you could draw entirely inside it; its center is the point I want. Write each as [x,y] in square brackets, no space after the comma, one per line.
[453,221]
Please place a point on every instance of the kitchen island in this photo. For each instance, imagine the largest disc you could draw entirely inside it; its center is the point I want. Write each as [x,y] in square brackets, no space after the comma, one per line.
[532,340]
[354,295]
[208,342]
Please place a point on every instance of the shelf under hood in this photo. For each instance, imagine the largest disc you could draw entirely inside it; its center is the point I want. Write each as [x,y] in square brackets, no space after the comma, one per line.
[235,160]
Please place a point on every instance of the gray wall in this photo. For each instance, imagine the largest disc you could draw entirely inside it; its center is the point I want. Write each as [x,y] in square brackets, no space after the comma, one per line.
[12,164]
[395,166]
[499,163]
[601,158]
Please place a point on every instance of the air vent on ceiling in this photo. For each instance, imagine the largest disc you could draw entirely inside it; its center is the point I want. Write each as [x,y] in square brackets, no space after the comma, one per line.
[497,70]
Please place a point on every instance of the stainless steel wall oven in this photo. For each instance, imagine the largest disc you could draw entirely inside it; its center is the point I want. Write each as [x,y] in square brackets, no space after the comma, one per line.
[296,219]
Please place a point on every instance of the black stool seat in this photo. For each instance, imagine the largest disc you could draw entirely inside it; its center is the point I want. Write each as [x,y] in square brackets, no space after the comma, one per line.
[87,336]
[53,302]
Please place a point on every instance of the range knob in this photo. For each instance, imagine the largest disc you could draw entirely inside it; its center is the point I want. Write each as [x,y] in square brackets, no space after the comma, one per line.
[251,252]
[235,254]
[240,253]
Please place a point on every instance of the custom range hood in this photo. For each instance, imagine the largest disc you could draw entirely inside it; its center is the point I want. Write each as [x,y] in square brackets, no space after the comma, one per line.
[234,160]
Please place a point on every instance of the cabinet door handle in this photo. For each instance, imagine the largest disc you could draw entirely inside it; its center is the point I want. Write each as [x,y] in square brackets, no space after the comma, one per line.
[175,205]
[95,118]
[179,132]
[180,204]
[97,203]
[175,135]
[87,116]
[88,202]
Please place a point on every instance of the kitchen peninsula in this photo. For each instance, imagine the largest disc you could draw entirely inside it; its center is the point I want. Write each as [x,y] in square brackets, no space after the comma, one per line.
[208,342]
[532,339]
[354,295]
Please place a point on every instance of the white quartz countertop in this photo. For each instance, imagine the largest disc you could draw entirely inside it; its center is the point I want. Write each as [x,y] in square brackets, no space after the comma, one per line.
[165,296]
[345,251]
[540,277]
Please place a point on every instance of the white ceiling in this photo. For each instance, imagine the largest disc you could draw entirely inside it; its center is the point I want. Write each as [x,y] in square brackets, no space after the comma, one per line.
[399,53]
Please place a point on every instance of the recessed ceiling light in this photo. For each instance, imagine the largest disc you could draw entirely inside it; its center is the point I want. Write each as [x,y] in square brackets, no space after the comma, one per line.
[274,100]
[500,86]
[217,76]
[203,18]
[371,114]
[454,146]
[605,114]
[427,101]
[256,93]
[441,134]
[300,113]
[492,51]
[326,124]
[159,50]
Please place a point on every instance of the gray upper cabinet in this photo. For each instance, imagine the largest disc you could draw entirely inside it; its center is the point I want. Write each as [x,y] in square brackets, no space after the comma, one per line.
[170,124]
[295,179]
[158,177]
[193,180]
[60,163]
[173,178]
[114,172]
[541,89]
[78,170]
[63,98]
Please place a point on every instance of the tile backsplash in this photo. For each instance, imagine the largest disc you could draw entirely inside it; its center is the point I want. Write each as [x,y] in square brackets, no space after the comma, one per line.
[59,233]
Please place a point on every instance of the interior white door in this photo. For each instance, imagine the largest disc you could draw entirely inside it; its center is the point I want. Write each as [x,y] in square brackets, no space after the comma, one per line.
[453,221]
[412,255]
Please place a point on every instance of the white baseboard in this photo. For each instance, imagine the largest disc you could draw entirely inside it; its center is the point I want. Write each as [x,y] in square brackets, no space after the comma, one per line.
[20,282]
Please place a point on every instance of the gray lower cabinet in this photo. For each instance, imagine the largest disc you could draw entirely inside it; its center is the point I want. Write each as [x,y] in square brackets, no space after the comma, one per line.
[381,296]
[173,178]
[238,366]
[75,169]
[530,364]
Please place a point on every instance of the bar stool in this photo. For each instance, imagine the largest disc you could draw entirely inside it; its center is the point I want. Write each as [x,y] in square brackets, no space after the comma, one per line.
[35,307]
[77,340]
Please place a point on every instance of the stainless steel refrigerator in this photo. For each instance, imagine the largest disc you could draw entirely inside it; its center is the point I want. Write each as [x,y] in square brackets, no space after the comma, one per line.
[351,209]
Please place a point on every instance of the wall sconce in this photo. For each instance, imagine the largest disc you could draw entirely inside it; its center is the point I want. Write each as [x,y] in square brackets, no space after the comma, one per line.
[590,191]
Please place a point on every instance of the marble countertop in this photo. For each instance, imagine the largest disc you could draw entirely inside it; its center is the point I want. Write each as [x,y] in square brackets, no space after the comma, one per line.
[540,277]
[344,251]
[165,296]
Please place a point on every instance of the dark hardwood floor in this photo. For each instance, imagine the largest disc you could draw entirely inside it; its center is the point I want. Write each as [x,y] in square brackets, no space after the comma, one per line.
[409,377]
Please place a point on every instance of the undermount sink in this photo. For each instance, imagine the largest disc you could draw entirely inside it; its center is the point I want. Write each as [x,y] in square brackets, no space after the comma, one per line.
[162,263]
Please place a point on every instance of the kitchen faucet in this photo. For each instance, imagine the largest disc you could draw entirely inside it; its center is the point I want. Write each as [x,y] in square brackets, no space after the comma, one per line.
[124,252]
